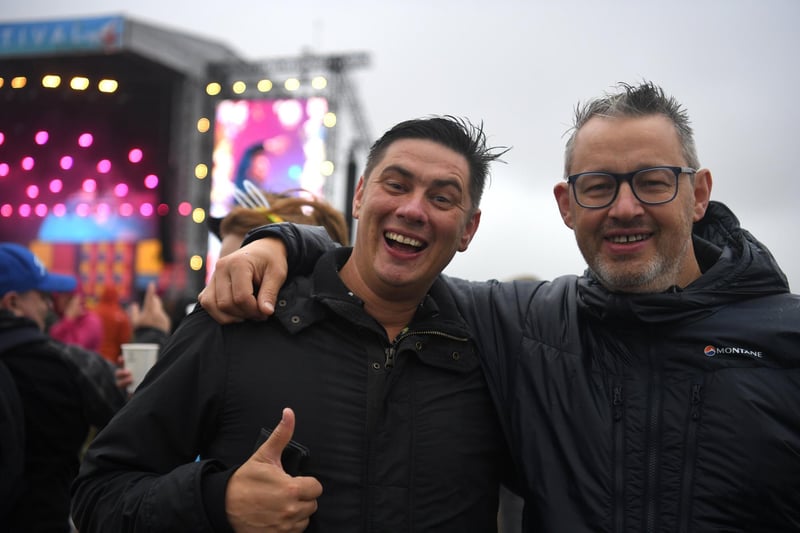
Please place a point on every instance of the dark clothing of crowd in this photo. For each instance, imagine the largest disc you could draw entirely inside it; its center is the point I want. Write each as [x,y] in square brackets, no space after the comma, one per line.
[52,394]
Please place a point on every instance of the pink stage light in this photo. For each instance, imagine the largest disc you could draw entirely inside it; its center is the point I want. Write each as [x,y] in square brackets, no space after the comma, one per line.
[82,210]
[135,155]
[66,162]
[2,137]
[32,191]
[6,210]
[125,209]
[103,210]
[56,186]
[4,169]
[163,210]
[185,208]
[85,140]
[41,137]
[59,210]
[121,190]
[24,210]
[146,209]
[40,210]
[151,181]
[89,185]
[103,166]
[27,163]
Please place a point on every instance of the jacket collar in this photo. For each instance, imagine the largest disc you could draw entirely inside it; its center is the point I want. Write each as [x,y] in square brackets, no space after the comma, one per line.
[306,300]
[16,330]
[735,265]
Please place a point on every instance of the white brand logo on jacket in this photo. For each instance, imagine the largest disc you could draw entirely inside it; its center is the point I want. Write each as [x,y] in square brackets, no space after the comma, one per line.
[712,350]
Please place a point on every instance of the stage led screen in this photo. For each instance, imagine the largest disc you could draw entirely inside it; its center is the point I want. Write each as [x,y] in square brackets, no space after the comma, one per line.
[277,144]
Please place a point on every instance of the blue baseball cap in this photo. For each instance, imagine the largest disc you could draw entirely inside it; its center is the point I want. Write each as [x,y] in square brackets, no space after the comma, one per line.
[22,271]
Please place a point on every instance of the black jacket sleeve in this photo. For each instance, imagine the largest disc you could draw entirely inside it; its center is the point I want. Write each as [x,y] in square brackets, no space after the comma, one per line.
[12,443]
[150,335]
[304,244]
[96,382]
[145,470]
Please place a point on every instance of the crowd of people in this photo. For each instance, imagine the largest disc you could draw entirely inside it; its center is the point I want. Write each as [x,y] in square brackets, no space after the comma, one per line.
[328,386]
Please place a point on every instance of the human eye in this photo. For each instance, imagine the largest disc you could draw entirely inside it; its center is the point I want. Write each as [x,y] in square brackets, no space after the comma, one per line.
[445,196]
[442,200]
[655,180]
[596,185]
[393,185]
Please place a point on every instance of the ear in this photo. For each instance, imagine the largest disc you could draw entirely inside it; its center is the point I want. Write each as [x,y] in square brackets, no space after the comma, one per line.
[702,192]
[564,201]
[358,197]
[9,300]
[469,231]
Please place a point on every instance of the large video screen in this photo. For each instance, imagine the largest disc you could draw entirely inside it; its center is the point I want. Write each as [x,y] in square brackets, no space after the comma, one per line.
[277,144]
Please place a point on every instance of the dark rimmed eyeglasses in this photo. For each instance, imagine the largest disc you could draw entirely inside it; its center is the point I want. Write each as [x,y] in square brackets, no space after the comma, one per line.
[651,186]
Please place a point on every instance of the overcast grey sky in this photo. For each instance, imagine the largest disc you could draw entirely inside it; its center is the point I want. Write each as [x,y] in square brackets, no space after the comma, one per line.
[521,66]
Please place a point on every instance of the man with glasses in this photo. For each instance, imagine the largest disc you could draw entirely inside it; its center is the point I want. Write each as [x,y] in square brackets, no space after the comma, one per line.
[59,391]
[660,391]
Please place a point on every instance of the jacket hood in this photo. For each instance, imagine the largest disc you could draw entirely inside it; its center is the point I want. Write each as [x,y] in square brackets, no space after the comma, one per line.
[16,330]
[736,266]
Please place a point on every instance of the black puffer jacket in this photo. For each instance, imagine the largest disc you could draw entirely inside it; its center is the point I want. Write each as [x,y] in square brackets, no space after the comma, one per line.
[402,435]
[677,411]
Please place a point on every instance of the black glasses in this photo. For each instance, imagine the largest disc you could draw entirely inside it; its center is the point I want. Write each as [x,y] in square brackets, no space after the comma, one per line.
[652,186]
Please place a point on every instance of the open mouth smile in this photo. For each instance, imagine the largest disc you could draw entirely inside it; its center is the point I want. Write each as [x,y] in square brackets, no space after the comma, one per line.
[396,240]
[625,239]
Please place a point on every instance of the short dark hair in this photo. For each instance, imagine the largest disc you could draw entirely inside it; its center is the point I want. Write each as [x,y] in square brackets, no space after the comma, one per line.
[640,100]
[458,134]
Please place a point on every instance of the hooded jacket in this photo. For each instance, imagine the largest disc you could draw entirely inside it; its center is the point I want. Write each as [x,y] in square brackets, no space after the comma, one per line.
[677,411]
[116,324]
[63,391]
[402,434]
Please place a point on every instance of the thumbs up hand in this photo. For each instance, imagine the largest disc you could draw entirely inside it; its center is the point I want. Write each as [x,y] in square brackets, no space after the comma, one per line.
[261,496]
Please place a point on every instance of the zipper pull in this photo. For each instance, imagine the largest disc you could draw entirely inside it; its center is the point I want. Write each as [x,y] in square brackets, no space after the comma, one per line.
[617,403]
[696,401]
[389,357]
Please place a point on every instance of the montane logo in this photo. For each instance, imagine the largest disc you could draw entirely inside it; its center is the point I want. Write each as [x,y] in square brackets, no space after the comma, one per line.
[711,351]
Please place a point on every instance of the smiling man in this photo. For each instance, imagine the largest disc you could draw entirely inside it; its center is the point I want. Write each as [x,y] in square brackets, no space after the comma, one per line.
[393,415]
[632,228]
[658,391]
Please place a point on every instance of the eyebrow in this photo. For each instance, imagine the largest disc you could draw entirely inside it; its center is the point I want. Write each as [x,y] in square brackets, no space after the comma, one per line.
[437,182]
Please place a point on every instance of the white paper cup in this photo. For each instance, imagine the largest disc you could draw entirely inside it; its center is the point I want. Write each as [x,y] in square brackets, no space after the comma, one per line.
[139,357]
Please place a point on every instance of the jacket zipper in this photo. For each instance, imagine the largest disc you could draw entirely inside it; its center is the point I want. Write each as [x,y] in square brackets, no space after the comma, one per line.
[695,404]
[391,350]
[653,439]
[619,458]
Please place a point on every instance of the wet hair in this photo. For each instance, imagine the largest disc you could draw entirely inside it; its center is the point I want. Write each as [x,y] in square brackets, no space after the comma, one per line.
[288,208]
[640,100]
[458,134]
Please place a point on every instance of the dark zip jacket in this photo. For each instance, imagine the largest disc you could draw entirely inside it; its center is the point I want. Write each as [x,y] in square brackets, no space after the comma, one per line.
[677,411]
[63,391]
[402,435]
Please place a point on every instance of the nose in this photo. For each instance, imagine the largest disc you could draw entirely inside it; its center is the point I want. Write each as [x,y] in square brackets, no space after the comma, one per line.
[625,205]
[412,208]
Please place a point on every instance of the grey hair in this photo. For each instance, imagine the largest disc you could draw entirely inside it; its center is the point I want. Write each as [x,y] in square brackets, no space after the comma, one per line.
[635,101]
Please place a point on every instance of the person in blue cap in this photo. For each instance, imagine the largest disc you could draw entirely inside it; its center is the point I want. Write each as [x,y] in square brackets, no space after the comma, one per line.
[52,395]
